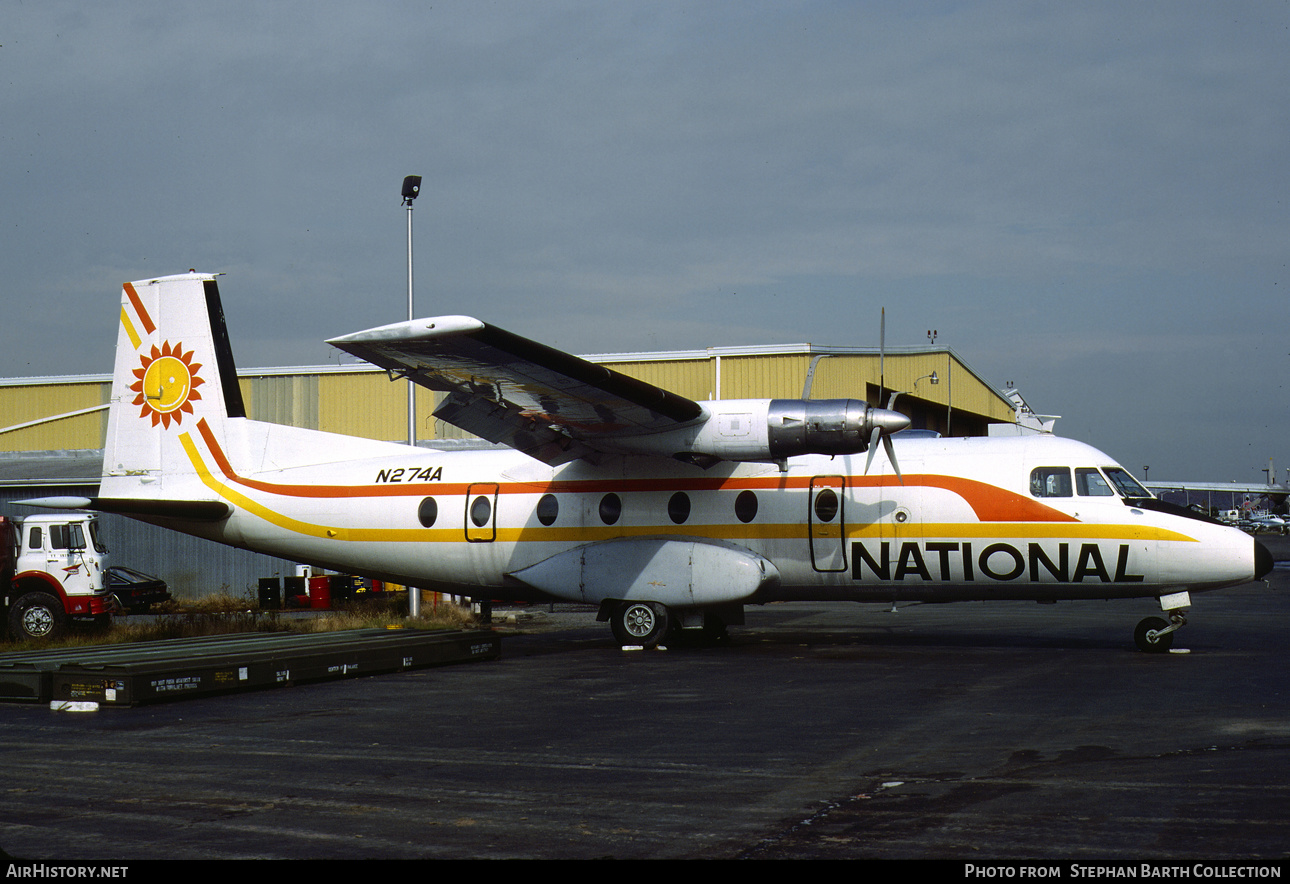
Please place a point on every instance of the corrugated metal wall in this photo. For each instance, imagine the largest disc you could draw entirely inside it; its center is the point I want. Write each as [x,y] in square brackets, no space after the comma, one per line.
[691,378]
[21,403]
[364,402]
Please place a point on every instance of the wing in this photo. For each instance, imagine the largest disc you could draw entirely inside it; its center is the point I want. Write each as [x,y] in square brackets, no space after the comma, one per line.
[509,389]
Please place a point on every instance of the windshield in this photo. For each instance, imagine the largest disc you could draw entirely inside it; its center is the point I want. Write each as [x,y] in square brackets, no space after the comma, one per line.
[1125,483]
[96,538]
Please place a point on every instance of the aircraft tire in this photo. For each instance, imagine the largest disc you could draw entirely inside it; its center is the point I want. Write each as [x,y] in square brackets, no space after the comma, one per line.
[1158,645]
[36,616]
[639,623]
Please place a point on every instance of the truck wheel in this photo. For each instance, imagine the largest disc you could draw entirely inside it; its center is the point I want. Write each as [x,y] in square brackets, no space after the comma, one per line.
[36,616]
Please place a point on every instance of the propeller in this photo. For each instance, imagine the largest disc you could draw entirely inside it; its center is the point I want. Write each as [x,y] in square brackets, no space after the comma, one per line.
[885,421]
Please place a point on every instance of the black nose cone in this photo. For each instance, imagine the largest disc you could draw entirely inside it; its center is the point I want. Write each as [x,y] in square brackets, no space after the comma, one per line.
[1262,560]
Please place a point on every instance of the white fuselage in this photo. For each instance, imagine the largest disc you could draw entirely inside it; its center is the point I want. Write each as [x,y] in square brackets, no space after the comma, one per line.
[964,523]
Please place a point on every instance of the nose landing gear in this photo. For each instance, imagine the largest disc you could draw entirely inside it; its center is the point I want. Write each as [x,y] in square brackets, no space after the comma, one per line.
[1155,635]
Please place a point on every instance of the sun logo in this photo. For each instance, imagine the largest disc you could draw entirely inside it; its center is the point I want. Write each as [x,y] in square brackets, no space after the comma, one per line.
[167,384]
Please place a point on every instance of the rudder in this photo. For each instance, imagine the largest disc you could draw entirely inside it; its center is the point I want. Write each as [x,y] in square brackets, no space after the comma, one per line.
[174,368]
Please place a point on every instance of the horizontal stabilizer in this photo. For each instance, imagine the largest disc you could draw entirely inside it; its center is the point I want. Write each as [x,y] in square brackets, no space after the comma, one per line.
[189,510]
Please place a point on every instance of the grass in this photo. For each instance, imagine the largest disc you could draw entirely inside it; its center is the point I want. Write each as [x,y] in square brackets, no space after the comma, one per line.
[226,614]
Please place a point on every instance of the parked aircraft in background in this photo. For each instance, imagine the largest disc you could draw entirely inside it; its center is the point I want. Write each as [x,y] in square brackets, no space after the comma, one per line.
[662,511]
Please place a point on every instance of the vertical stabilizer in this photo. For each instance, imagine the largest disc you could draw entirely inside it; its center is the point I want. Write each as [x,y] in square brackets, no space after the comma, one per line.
[174,373]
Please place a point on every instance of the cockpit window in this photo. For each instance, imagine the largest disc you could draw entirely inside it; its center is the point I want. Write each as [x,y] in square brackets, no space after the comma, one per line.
[1050,482]
[1125,483]
[1089,483]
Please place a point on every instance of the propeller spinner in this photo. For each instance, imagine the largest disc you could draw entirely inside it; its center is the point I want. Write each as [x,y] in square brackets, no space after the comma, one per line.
[884,422]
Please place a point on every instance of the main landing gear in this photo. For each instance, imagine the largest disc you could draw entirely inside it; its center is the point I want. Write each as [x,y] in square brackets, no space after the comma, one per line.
[1155,635]
[639,623]
[649,624]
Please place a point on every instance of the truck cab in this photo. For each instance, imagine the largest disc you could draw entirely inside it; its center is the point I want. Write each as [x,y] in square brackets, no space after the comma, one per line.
[55,567]
[64,554]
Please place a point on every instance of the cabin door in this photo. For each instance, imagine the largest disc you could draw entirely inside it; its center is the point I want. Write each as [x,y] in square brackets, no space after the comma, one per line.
[826,523]
[481,512]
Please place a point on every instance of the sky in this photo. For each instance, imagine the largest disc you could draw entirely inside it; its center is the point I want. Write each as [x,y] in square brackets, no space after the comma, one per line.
[1089,200]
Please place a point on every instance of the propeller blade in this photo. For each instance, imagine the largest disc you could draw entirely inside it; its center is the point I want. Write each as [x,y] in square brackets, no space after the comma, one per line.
[891,456]
[873,446]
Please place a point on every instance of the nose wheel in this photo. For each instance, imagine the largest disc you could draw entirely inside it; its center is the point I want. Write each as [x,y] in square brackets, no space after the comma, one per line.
[1155,635]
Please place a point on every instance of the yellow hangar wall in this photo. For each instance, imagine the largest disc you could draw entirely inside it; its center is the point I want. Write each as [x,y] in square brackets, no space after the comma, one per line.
[362,401]
[959,403]
[25,401]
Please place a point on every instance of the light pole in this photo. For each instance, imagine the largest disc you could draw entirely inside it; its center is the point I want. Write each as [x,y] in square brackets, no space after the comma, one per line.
[411,188]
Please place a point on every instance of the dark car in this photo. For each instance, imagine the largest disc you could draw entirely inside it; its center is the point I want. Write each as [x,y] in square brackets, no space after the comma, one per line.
[135,591]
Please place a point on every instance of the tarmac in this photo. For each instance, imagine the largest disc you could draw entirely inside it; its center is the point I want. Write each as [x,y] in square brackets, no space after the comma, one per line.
[970,732]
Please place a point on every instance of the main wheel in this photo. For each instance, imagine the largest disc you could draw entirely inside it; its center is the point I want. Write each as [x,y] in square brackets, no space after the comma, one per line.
[639,623]
[1146,638]
[36,616]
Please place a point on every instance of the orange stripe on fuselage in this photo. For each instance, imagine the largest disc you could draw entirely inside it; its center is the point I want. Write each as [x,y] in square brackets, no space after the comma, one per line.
[990,503]
[139,309]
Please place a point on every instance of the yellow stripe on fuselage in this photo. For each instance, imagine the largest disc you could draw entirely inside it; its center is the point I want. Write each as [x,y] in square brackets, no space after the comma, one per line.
[309,529]
[730,532]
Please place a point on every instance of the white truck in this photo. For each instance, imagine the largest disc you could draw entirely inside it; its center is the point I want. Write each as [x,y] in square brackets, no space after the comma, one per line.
[54,568]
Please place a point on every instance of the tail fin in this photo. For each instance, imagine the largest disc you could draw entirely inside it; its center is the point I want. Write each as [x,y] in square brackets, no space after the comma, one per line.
[174,370]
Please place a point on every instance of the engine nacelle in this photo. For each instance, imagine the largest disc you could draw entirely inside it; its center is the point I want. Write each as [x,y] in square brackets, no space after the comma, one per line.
[772,430]
[818,426]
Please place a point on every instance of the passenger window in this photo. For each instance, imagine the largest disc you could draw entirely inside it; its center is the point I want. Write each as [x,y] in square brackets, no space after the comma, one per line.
[1089,483]
[611,507]
[427,512]
[826,505]
[1050,482]
[746,506]
[35,540]
[548,509]
[480,511]
[678,507]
